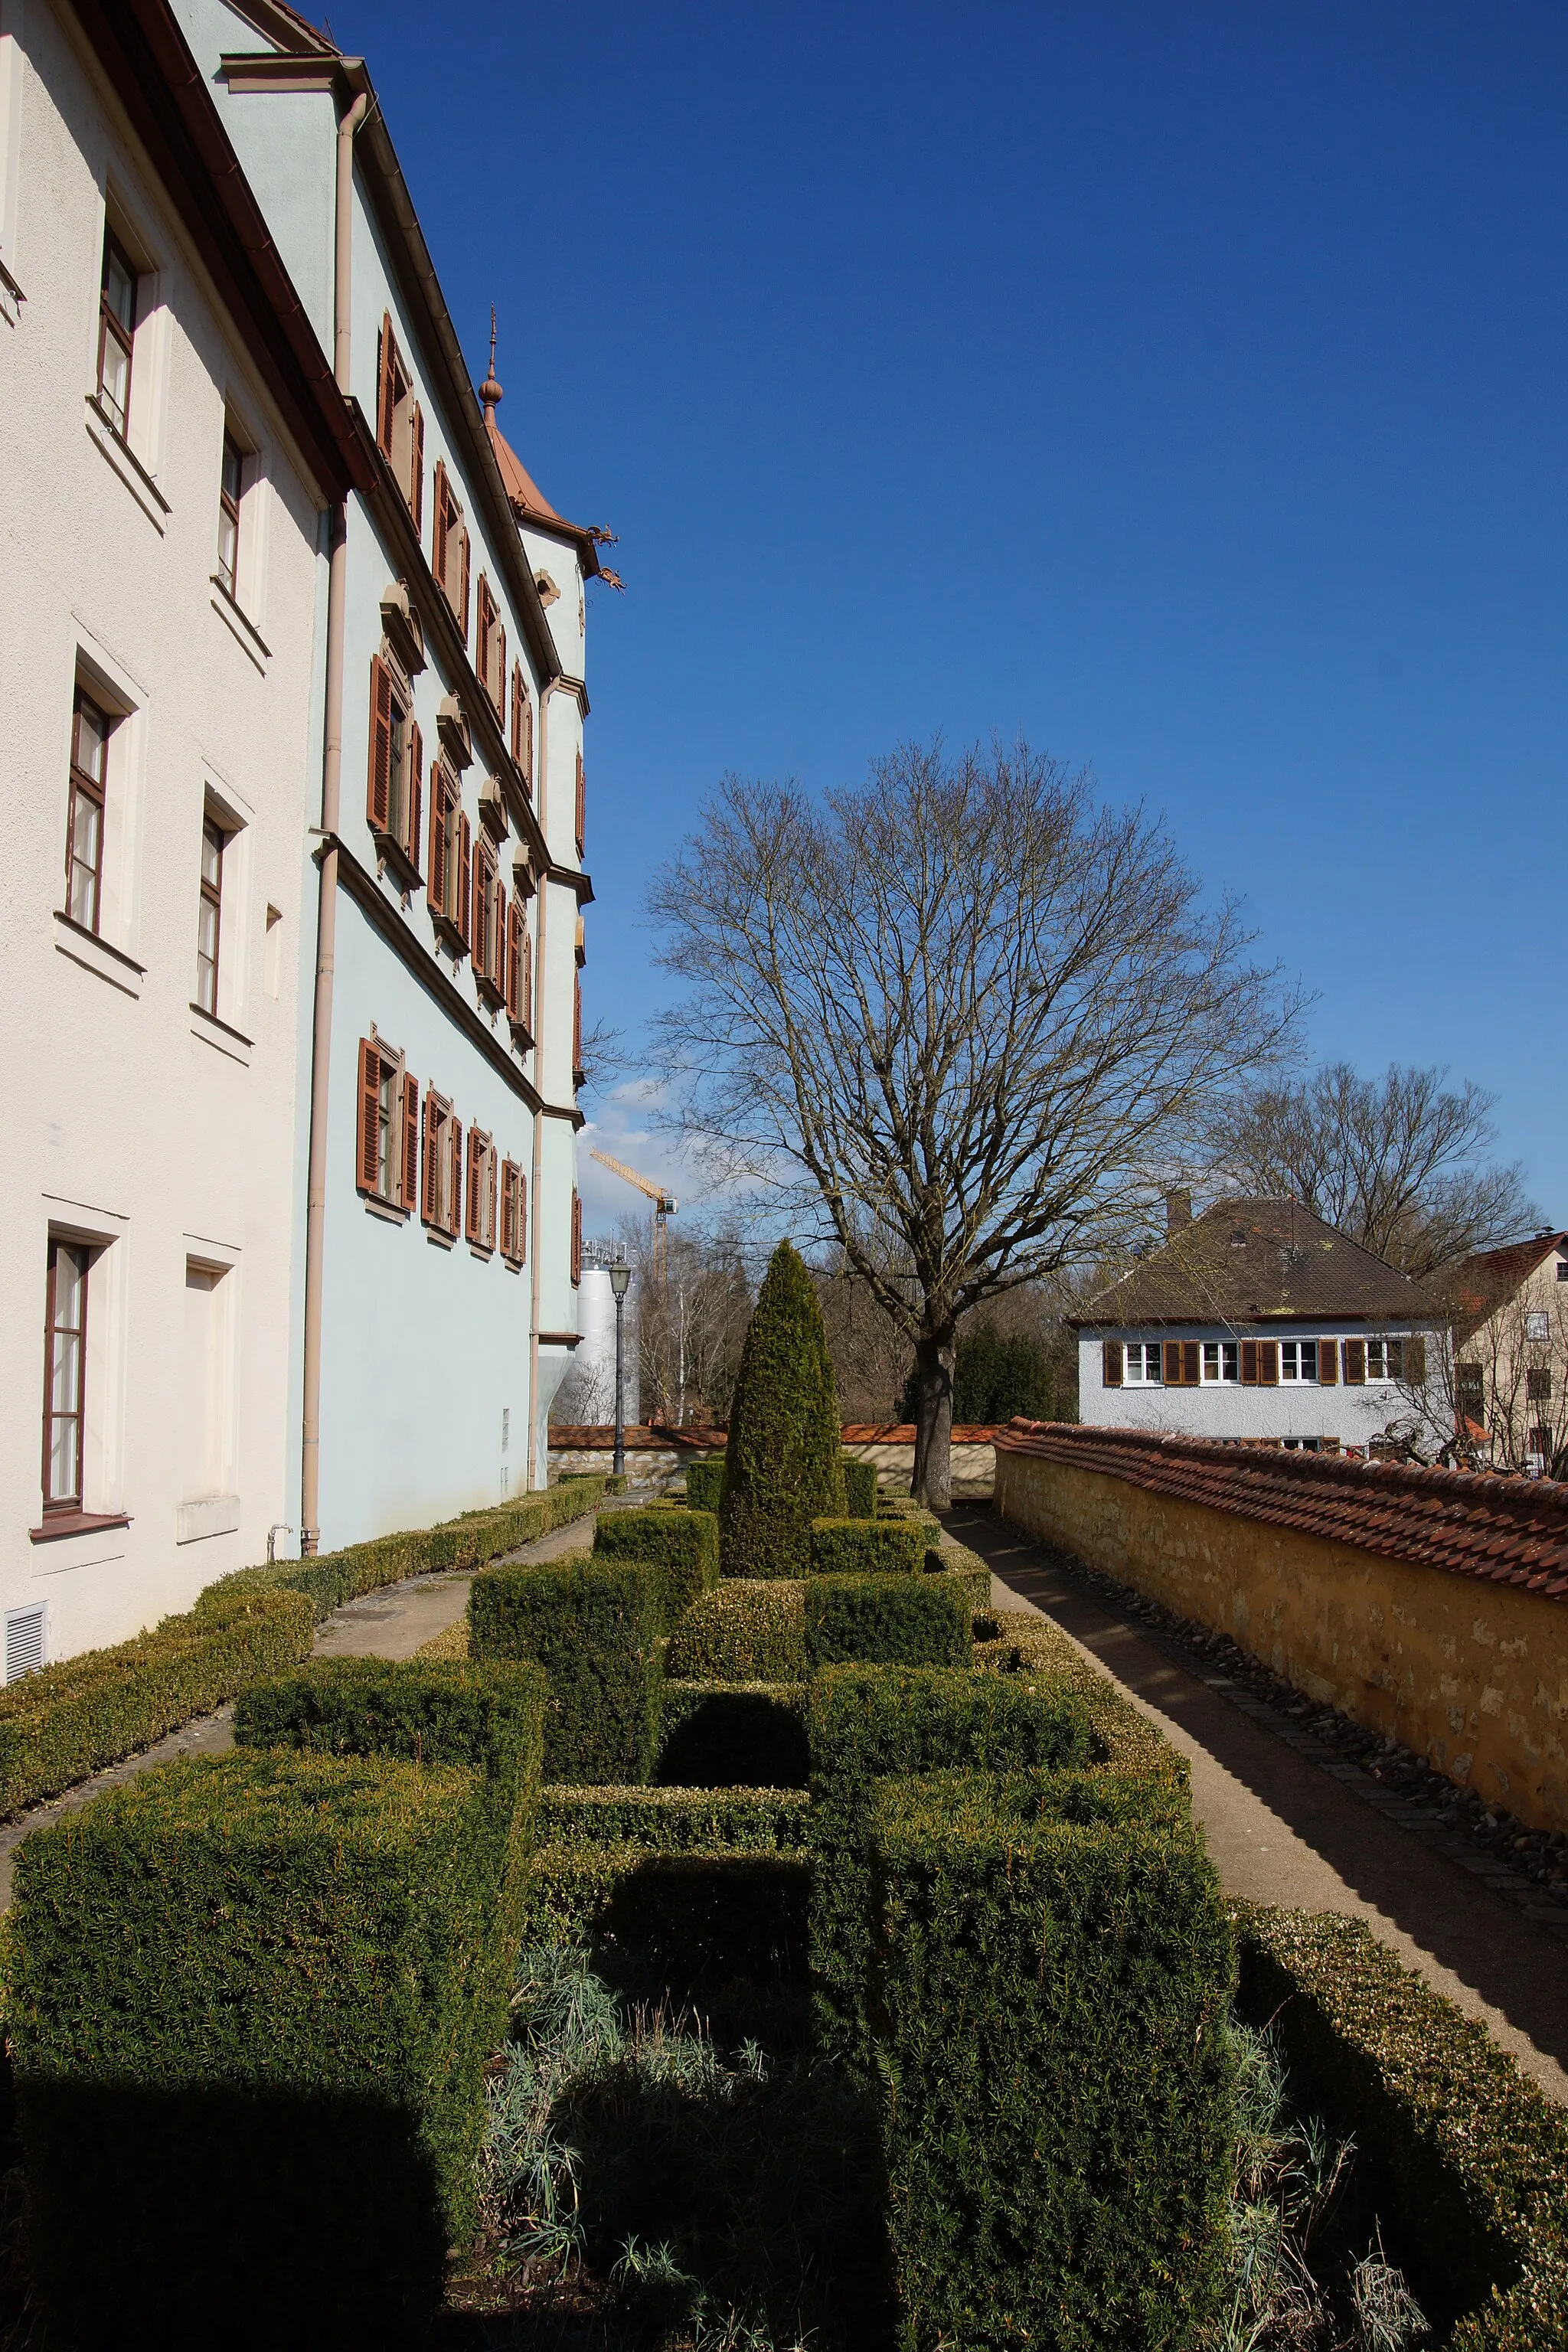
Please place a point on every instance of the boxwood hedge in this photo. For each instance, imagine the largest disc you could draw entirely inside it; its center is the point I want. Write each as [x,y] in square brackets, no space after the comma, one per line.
[249,2014]
[682,1544]
[974,1573]
[865,1724]
[749,1630]
[896,1621]
[699,1916]
[866,1547]
[705,1484]
[1051,1978]
[676,1821]
[1021,1644]
[594,1624]
[1469,2161]
[859,1488]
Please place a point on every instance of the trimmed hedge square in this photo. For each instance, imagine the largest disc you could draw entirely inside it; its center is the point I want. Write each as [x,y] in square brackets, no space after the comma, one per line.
[683,1545]
[865,1724]
[957,1559]
[595,1626]
[744,1735]
[866,1547]
[249,2017]
[1052,1975]
[859,1488]
[751,1629]
[701,1916]
[705,1484]
[893,1621]
[1028,1650]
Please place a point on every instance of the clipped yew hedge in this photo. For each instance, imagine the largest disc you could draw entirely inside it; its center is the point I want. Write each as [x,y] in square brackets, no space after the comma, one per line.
[678,1821]
[1050,1981]
[748,1735]
[895,1620]
[699,1916]
[682,1543]
[705,1484]
[974,1573]
[859,1488]
[841,1547]
[250,2004]
[61,1726]
[1468,2160]
[594,1624]
[783,1455]
[748,1630]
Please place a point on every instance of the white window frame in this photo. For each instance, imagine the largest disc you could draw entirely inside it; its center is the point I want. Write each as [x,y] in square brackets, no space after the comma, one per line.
[1537,1326]
[1219,1364]
[1145,1351]
[1292,1351]
[1383,1374]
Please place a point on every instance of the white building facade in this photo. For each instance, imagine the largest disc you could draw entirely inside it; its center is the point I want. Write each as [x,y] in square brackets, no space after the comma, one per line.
[170,458]
[437,1218]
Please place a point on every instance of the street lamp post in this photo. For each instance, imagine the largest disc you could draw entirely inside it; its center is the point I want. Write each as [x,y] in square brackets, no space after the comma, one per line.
[620,1276]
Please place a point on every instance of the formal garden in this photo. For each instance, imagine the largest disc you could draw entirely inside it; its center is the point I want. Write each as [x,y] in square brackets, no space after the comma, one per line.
[739,1934]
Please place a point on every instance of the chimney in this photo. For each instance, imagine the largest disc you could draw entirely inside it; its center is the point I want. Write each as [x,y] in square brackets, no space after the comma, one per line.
[1178,1212]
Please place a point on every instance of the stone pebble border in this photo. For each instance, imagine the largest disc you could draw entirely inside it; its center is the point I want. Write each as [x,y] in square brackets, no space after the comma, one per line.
[1526,1867]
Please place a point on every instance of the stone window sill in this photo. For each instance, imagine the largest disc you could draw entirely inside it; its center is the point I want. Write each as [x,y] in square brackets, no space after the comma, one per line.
[246,633]
[127,465]
[217,1033]
[96,955]
[77,1523]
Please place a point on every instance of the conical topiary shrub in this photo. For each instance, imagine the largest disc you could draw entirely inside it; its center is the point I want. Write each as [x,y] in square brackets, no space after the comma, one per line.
[782,1465]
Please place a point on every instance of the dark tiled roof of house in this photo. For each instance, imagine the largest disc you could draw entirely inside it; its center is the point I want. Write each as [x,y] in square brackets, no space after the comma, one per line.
[1478,1286]
[1243,1261]
[1496,1531]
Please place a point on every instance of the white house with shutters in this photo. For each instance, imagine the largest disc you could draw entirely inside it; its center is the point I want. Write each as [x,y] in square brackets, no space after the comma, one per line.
[1256,1321]
[170,456]
[437,1217]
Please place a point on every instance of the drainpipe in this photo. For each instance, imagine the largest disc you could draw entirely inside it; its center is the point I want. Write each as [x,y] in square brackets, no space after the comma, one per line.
[327,909]
[539,1090]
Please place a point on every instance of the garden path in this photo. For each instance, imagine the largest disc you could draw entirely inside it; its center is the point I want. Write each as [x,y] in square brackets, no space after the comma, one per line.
[1310,1831]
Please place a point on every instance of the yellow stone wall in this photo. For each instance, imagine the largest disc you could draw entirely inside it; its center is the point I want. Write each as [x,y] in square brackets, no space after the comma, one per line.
[1472,1675]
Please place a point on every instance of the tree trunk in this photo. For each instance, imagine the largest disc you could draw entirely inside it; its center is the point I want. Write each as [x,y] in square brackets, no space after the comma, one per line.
[935,1352]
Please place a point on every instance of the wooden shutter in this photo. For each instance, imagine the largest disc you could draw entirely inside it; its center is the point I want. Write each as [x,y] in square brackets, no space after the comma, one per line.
[438,527]
[1192,1353]
[455,1176]
[465,911]
[506,1236]
[463,582]
[1328,1363]
[369,1114]
[491,1175]
[379,788]
[1249,1363]
[1172,1363]
[430,1204]
[1356,1364]
[416,791]
[417,480]
[410,1143]
[1110,1364]
[522,1216]
[514,959]
[482,633]
[582,805]
[1415,1370]
[472,1208]
[439,883]
[387,380]
[1268,1363]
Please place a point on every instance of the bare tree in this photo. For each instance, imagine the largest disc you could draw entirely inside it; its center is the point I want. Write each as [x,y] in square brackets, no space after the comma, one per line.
[1397,1162]
[964,1007]
[691,1318]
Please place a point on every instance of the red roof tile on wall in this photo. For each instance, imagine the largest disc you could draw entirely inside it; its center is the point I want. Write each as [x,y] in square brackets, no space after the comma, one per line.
[1498,1531]
[598,1437]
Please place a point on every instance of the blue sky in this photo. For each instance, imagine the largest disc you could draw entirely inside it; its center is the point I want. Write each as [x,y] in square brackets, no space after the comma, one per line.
[1182,387]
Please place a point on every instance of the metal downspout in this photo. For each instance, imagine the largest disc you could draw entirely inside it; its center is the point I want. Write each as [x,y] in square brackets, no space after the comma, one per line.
[539,1114]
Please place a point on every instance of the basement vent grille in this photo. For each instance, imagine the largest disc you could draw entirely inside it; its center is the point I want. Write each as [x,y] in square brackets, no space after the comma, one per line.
[24,1643]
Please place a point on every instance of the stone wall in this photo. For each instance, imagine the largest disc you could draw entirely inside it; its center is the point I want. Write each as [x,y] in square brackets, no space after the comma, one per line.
[1464,1669]
[653,1459]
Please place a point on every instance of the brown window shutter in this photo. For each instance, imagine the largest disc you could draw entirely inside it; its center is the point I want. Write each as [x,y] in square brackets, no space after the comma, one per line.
[1328,1363]
[1415,1370]
[369,1114]
[498,691]
[386,371]
[491,1174]
[438,876]
[1268,1363]
[378,789]
[463,583]
[522,1216]
[1172,1363]
[417,484]
[1356,1364]
[482,633]
[514,959]
[527,990]
[416,791]
[455,1173]
[438,525]
[410,1141]
[465,861]
[429,1207]
[471,1202]
[1110,1364]
[1190,1353]
[1249,1363]
[506,1208]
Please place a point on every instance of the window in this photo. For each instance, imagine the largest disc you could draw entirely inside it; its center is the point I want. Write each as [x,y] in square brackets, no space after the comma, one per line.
[1297,1359]
[489,927]
[209,915]
[442,1191]
[449,859]
[1385,1359]
[1537,1324]
[1142,1363]
[1537,1387]
[395,789]
[514,1212]
[522,742]
[1471,1392]
[84,825]
[1302,1444]
[65,1373]
[577,1236]
[230,480]
[387,1142]
[1222,1361]
[582,805]
[204,1435]
[1182,1366]
[578,1073]
[400,423]
[479,1221]
[116,332]
[519,971]
[450,549]
[1562,1269]
[489,647]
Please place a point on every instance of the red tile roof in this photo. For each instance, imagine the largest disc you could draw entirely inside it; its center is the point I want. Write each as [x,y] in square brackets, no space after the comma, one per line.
[1496,1531]
[1478,1286]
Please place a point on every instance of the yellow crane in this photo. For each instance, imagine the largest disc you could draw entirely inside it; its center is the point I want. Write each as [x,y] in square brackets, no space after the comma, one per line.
[665,1205]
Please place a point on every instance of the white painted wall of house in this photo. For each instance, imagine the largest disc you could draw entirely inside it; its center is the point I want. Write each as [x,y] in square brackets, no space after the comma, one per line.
[121,1121]
[1302,1409]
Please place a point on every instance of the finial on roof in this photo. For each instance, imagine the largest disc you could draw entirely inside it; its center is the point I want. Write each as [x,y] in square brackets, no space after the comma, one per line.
[491,391]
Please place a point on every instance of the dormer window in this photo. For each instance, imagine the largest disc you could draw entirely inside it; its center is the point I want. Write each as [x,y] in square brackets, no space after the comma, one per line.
[1238,1239]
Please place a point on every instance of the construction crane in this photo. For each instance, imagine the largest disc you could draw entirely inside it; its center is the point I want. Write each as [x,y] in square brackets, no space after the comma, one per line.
[665,1205]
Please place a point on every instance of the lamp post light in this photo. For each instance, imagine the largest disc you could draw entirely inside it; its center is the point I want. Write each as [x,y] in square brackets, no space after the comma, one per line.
[620,1276]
